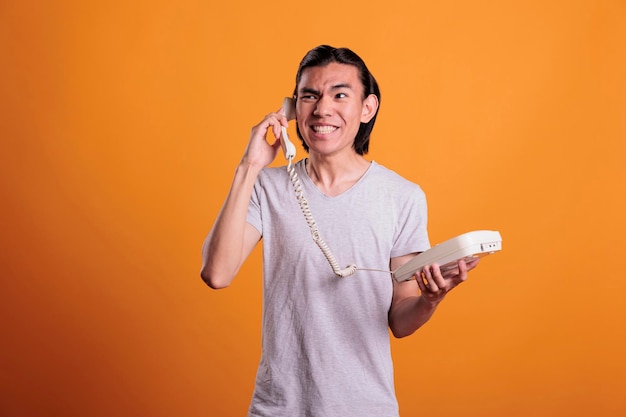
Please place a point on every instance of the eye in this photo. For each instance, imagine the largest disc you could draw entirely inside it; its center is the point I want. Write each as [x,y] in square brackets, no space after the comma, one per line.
[341,95]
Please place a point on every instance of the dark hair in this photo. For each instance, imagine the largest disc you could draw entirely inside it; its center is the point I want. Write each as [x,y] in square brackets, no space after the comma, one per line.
[324,55]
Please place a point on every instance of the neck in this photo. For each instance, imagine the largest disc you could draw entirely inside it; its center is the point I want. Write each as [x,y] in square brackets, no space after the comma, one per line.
[334,175]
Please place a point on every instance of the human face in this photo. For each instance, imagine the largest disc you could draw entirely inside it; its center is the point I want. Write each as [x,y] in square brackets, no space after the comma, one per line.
[330,108]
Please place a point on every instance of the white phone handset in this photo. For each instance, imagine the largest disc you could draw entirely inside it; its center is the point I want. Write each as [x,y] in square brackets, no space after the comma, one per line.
[289,107]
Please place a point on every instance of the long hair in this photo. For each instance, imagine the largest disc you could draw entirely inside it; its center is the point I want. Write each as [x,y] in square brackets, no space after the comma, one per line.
[324,55]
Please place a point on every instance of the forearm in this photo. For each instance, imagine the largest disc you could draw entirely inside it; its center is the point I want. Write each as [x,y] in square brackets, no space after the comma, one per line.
[225,248]
[410,314]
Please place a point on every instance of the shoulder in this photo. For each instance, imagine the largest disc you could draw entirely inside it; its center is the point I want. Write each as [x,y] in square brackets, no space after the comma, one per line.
[396,183]
[275,181]
[271,174]
[272,177]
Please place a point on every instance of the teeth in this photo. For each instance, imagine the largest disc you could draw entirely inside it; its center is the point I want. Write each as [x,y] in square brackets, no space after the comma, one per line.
[324,129]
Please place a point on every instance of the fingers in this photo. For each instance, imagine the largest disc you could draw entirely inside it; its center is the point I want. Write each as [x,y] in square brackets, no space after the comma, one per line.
[422,283]
[260,152]
[274,122]
[431,281]
[472,263]
[435,273]
[464,267]
[434,283]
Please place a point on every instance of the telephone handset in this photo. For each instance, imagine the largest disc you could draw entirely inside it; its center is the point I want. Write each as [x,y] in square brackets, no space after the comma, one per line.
[289,108]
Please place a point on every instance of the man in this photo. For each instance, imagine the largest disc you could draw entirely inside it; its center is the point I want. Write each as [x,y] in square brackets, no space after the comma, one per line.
[326,347]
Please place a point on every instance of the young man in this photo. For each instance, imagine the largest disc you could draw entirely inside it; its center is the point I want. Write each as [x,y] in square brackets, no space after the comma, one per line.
[326,347]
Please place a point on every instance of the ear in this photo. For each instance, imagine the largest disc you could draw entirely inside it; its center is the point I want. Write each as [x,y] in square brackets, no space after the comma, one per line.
[370,106]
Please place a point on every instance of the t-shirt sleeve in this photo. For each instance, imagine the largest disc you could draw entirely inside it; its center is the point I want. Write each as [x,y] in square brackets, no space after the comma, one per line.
[412,235]
[254,208]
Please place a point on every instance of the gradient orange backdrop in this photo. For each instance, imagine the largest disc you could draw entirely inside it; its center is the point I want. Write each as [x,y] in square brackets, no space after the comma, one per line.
[121,125]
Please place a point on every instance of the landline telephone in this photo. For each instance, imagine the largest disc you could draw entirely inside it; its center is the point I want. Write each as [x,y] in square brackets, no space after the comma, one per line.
[446,254]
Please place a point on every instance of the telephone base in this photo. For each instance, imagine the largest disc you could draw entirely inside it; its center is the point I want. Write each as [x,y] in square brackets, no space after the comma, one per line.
[446,254]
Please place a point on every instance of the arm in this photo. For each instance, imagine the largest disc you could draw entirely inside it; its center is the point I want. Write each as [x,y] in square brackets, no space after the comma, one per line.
[231,240]
[415,301]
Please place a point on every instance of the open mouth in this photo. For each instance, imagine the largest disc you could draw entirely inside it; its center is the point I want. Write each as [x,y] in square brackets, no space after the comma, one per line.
[324,130]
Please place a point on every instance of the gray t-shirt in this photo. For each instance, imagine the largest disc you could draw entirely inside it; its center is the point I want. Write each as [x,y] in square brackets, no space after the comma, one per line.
[325,347]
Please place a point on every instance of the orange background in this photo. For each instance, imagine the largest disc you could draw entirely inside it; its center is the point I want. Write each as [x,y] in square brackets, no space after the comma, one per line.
[121,126]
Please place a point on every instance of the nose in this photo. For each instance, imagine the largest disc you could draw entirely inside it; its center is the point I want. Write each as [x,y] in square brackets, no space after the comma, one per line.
[323,107]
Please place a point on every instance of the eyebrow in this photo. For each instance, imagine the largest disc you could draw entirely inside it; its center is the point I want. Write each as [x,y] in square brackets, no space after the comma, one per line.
[309,90]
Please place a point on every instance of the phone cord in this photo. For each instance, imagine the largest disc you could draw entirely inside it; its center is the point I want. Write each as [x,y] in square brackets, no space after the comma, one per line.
[315,233]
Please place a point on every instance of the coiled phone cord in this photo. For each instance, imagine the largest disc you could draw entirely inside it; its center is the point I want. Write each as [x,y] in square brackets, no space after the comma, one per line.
[315,233]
